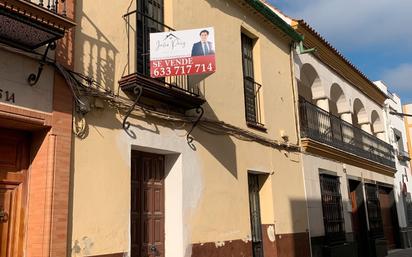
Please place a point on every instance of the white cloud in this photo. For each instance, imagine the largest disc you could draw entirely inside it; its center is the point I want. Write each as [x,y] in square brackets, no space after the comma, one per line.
[357,23]
[399,79]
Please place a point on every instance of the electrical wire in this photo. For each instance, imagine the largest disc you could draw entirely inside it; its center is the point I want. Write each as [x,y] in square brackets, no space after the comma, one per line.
[82,85]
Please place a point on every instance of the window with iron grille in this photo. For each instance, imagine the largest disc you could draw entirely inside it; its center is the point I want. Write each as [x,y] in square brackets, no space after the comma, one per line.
[409,212]
[149,20]
[332,208]
[374,210]
[251,87]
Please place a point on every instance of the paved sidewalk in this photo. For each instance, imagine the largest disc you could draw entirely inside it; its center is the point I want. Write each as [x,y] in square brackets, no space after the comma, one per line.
[401,253]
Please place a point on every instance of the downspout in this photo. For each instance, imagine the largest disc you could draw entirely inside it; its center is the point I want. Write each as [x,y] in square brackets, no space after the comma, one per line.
[295,91]
[295,94]
[302,49]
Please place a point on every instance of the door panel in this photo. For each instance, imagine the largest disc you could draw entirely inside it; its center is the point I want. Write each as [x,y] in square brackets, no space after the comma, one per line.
[387,202]
[359,223]
[147,206]
[8,195]
[13,151]
[14,161]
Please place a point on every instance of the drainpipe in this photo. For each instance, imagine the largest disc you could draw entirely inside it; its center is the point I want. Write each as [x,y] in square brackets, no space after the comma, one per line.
[295,94]
[302,49]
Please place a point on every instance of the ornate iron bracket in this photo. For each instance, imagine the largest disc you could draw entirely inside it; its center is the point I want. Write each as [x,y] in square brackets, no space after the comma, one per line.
[189,137]
[138,91]
[33,78]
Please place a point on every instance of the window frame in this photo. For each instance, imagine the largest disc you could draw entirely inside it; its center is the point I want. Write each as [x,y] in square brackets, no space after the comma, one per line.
[332,208]
[252,89]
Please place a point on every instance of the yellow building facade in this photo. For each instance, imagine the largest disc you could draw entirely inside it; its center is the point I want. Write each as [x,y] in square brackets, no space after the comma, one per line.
[140,184]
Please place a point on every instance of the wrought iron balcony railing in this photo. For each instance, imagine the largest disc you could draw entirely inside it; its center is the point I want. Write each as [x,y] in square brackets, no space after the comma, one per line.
[51,5]
[252,103]
[326,128]
[181,91]
[31,24]
[402,155]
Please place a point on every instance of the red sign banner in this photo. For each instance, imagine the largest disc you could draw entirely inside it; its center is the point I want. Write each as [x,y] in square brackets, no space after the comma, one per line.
[182,66]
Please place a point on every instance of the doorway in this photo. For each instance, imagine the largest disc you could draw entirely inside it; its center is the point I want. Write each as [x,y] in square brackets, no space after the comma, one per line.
[14,162]
[255,218]
[359,222]
[147,205]
[389,216]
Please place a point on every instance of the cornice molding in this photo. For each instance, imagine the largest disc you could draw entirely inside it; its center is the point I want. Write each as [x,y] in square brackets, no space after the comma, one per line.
[329,152]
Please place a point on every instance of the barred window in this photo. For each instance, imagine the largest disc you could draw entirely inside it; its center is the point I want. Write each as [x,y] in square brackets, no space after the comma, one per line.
[332,208]
[252,89]
[374,210]
[409,212]
[149,20]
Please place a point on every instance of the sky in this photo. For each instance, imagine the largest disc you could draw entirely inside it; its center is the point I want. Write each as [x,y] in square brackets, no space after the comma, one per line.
[375,35]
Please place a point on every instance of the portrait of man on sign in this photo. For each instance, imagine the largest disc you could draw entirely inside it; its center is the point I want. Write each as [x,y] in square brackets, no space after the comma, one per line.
[203,47]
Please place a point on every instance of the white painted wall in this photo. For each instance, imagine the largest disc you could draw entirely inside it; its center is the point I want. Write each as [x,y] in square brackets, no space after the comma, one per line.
[312,166]
[402,168]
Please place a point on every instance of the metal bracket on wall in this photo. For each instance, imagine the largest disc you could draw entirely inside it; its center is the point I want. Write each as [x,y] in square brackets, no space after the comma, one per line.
[33,78]
[189,137]
[137,90]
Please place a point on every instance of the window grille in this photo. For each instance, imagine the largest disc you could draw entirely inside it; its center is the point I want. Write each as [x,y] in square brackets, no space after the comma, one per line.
[332,208]
[409,211]
[374,210]
[251,88]
[149,20]
[255,220]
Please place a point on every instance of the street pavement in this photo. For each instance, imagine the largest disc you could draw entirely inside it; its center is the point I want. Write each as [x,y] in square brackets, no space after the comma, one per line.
[400,253]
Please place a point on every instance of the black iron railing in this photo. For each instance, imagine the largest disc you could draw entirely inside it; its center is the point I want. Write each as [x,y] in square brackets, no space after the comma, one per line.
[146,24]
[332,208]
[324,127]
[252,102]
[51,5]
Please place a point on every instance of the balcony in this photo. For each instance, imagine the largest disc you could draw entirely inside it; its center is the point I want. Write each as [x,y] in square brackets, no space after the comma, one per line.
[402,155]
[179,93]
[323,127]
[31,24]
[252,104]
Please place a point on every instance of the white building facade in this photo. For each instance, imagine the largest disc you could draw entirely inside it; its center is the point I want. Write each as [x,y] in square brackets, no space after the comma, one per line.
[348,164]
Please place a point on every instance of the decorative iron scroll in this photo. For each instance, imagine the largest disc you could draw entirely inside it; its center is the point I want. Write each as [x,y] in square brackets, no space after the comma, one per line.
[137,90]
[189,137]
[33,78]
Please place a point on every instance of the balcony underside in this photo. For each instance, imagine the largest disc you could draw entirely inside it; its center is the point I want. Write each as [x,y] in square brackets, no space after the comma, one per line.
[28,26]
[324,150]
[157,91]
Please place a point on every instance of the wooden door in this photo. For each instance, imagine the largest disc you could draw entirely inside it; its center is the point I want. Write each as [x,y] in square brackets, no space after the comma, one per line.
[359,225]
[388,216]
[13,165]
[147,205]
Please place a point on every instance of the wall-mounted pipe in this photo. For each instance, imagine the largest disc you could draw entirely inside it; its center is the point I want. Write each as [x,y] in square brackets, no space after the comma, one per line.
[302,49]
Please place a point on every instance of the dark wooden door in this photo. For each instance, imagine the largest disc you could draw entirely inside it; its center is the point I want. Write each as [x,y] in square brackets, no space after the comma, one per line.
[359,224]
[255,221]
[14,157]
[388,216]
[147,205]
